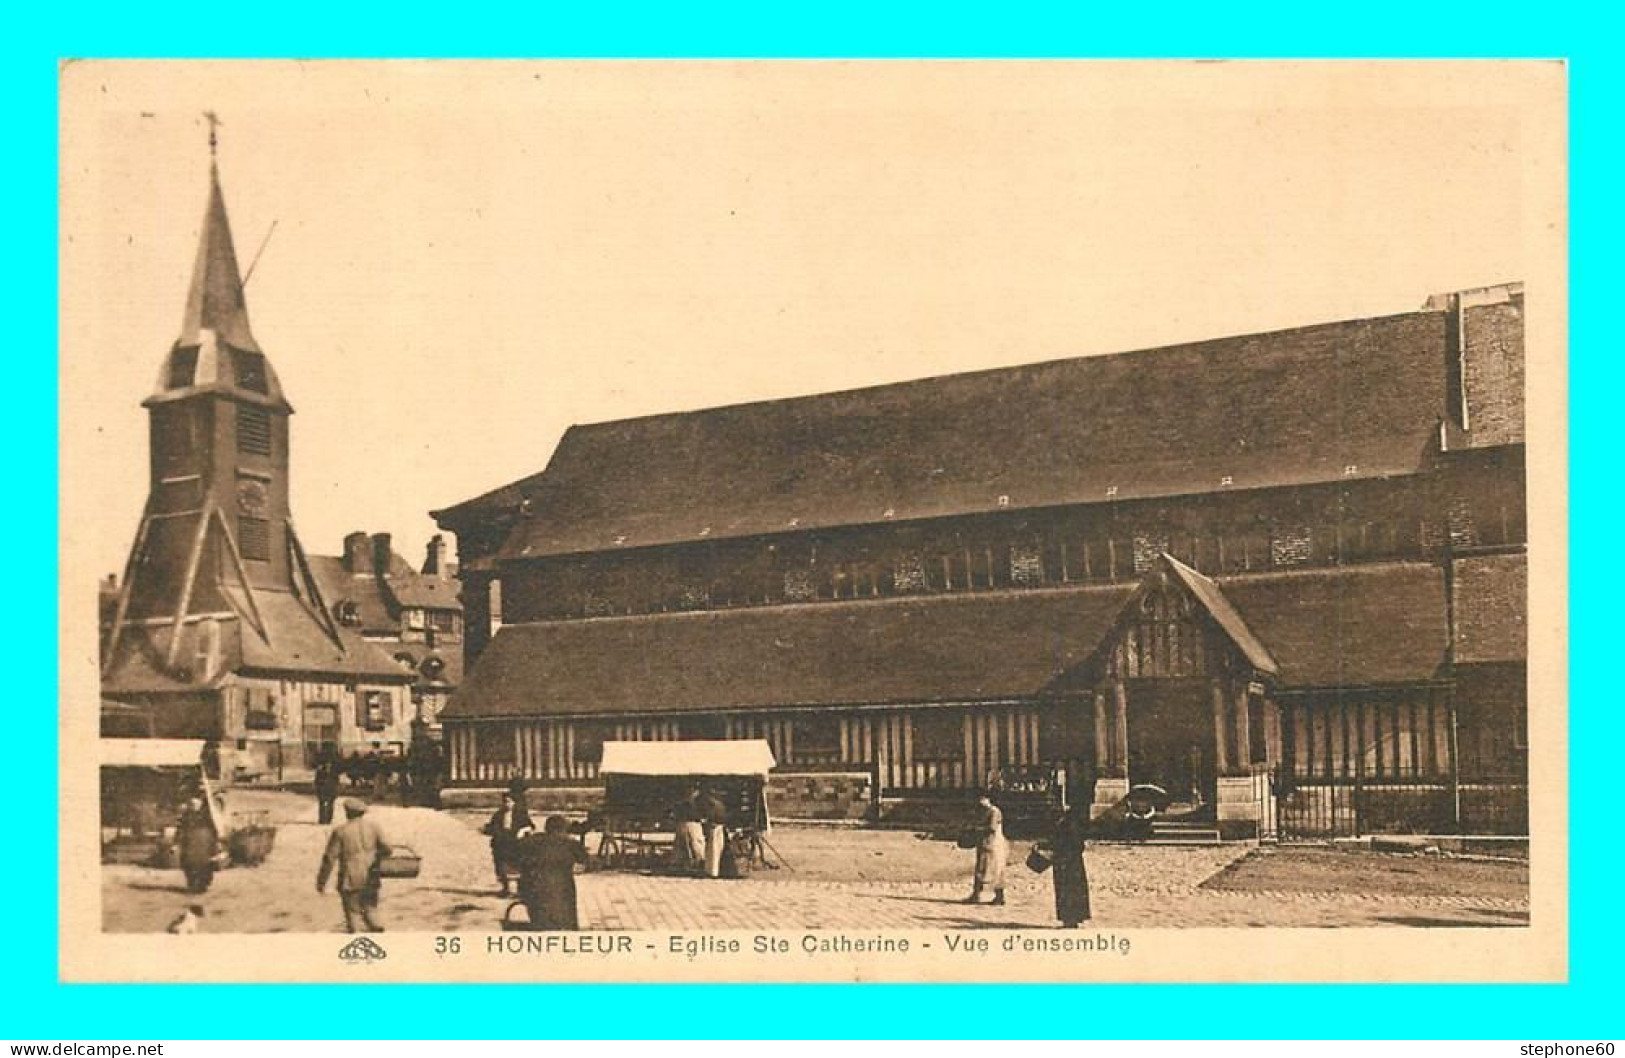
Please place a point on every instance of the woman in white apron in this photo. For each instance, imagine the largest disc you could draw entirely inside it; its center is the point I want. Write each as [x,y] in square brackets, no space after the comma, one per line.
[991,852]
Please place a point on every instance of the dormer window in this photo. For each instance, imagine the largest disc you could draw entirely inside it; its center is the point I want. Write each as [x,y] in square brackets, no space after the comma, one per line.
[249,370]
[348,614]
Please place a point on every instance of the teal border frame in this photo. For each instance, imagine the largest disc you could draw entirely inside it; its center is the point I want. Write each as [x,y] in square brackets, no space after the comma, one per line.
[35,1005]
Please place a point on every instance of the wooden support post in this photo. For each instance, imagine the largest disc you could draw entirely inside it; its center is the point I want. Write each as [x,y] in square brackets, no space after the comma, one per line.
[1221,749]
[1104,755]
[193,558]
[1120,708]
[1244,744]
[242,576]
[1455,764]
[1272,733]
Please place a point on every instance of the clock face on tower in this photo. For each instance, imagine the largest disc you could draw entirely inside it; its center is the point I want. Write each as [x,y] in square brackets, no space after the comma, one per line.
[251,497]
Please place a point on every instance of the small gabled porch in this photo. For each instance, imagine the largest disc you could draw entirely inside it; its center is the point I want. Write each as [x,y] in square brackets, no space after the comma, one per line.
[1181,704]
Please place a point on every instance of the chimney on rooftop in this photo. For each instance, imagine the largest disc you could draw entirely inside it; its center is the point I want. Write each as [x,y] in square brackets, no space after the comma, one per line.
[357,553]
[382,552]
[434,560]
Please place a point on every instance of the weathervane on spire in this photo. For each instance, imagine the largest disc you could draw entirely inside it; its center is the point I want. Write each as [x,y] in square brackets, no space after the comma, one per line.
[214,123]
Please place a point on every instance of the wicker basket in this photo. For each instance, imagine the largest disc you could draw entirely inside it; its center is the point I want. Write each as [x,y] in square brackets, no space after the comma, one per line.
[401,862]
[251,845]
[521,924]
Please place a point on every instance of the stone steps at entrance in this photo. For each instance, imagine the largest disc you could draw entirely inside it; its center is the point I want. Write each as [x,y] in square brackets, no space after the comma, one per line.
[1175,833]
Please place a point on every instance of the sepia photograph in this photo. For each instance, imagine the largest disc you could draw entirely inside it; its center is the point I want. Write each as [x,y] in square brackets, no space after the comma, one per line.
[813,521]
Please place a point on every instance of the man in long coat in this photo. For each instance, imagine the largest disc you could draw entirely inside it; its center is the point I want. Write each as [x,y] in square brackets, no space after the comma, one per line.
[547,880]
[355,850]
[327,788]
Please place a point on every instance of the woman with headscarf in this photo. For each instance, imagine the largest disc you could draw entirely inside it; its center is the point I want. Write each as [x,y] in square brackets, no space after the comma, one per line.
[1070,878]
[196,842]
[547,880]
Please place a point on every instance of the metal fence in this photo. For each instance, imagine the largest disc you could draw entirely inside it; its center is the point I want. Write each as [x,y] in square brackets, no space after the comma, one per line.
[1294,809]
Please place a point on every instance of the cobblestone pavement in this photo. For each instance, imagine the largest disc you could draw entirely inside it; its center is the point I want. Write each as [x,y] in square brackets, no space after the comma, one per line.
[621,901]
[1131,887]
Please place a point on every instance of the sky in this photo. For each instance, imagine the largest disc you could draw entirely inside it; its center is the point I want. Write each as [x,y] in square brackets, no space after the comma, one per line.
[468,258]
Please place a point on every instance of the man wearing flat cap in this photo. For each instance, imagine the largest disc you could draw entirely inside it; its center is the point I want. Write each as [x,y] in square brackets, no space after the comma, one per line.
[355,849]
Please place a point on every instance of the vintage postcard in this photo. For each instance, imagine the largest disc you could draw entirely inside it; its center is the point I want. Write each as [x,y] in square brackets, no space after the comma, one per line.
[816,521]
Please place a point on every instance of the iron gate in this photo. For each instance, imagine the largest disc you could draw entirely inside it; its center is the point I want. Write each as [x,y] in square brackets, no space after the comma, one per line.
[1294,809]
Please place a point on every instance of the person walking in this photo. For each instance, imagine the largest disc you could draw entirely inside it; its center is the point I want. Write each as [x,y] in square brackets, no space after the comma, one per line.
[690,837]
[992,850]
[547,880]
[197,840]
[327,788]
[714,815]
[1071,879]
[503,829]
[378,775]
[354,851]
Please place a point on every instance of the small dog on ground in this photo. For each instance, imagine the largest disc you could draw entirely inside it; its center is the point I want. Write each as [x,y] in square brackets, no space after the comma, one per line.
[189,921]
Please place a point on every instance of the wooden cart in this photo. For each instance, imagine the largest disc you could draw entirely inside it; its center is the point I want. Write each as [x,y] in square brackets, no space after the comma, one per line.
[646,784]
[144,783]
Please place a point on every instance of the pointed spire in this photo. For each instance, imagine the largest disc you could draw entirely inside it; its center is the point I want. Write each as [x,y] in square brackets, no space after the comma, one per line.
[215,301]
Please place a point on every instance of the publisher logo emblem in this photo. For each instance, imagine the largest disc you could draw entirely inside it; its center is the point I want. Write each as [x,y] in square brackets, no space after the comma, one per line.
[362,949]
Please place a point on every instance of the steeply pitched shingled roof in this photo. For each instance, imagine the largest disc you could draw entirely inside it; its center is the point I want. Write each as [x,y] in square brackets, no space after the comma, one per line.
[1218,606]
[378,599]
[1363,625]
[297,645]
[1292,406]
[425,590]
[339,585]
[1348,627]
[946,648]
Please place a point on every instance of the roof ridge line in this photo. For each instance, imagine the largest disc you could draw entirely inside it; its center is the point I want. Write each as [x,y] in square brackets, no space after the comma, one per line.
[980,372]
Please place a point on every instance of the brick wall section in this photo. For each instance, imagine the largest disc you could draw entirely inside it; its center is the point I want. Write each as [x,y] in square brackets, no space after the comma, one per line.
[819,795]
[1462,527]
[541,800]
[1491,600]
[1494,372]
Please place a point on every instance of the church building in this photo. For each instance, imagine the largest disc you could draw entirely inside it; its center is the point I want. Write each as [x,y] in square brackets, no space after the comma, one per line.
[1281,576]
[220,629]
